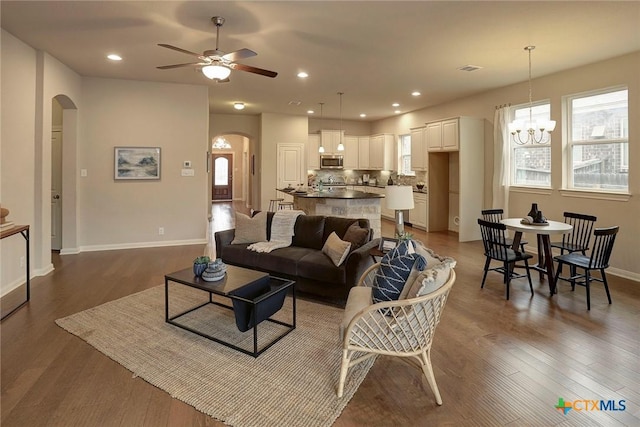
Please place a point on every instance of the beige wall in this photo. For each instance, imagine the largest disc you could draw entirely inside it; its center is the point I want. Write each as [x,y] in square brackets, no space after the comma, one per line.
[624,70]
[129,213]
[17,150]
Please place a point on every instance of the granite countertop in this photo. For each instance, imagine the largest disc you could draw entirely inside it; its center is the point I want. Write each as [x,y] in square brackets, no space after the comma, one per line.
[335,194]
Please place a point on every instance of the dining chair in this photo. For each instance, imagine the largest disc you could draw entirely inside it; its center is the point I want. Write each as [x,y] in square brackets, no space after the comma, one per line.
[495,248]
[578,239]
[603,240]
[497,215]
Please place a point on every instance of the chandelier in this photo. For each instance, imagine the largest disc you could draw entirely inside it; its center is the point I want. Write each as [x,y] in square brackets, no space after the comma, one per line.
[221,144]
[340,145]
[544,127]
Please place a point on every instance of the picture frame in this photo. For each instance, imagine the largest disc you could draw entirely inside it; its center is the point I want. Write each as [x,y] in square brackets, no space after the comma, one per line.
[136,163]
[387,244]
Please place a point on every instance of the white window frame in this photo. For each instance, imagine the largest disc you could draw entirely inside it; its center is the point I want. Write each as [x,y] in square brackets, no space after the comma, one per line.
[571,144]
[513,145]
[402,155]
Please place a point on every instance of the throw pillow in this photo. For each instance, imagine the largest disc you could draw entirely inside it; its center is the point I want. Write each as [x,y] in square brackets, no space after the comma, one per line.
[336,249]
[395,268]
[432,278]
[250,230]
[357,235]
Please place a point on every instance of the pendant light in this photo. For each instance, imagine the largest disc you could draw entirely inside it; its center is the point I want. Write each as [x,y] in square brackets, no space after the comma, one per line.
[321,148]
[341,145]
[545,127]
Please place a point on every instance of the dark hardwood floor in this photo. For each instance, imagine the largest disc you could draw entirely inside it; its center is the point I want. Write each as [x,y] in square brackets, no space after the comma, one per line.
[497,362]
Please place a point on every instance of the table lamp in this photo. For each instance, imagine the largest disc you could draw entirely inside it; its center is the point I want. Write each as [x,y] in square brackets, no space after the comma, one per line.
[399,198]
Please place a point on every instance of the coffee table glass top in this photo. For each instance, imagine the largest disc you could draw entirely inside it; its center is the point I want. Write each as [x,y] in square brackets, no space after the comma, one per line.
[236,277]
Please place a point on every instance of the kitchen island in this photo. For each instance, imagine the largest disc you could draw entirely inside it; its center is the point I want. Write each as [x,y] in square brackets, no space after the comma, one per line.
[339,202]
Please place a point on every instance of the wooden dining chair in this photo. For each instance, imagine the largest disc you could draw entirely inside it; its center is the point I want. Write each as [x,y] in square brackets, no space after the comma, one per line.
[497,215]
[495,248]
[603,240]
[578,239]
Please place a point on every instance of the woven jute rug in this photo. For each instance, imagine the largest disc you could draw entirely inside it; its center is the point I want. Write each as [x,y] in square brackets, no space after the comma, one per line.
[293,383]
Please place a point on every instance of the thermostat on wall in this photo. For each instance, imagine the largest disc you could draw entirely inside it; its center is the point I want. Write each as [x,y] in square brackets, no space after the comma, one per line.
[186,164]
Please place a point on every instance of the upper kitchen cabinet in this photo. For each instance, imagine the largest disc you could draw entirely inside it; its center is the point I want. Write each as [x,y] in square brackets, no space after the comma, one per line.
[313,156]
[364,148]
[350,152]
[444,135]
[381,152]
[418,150]
[330,140]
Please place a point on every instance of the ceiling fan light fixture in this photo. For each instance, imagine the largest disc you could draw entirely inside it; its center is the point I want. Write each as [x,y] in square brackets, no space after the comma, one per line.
[216,72]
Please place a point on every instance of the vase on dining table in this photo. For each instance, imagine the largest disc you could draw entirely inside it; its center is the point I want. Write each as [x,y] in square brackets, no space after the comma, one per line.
[533,213]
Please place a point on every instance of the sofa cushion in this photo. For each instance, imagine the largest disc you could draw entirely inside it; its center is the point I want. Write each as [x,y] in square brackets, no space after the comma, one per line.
[308,231]
[357,235]
[336,249]
[250,230]
[318,267]
[283,260]
[339,225]
[395,268]
[238,255]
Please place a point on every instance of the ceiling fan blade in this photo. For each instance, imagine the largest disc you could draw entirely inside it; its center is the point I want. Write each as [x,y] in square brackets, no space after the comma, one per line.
[168,67]
[239,54]
[168,46]
[255,70]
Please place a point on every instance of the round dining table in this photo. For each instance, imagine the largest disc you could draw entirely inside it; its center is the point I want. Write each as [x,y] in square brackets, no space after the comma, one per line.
[543,233]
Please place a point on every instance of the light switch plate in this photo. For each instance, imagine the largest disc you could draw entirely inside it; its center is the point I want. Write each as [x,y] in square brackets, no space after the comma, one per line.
[188,172]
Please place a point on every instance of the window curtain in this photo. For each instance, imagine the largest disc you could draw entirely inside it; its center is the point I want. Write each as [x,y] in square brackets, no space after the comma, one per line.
[501,159]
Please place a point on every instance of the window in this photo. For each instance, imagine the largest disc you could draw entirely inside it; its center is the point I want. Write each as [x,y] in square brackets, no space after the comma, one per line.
[405,156]
[531,163]
[598,155]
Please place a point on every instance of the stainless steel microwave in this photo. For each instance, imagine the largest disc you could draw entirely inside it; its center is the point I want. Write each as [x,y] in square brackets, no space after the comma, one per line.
[331,161]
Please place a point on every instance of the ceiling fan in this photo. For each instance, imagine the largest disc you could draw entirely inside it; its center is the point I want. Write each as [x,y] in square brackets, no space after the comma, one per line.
[215,64]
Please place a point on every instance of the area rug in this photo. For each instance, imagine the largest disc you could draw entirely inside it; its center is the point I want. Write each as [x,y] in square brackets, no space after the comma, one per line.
[293,383]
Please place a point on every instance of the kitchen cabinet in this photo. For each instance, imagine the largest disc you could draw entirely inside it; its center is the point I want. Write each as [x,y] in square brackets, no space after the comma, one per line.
[418,216]
[456,181]
[351,151]
[381,152]
[418,150]
[313,157]
[363,152]
[330,140]
[444,135]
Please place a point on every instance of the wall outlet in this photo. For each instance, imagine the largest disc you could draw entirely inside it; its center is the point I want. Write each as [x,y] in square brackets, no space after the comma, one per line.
[161,230]
[22,261]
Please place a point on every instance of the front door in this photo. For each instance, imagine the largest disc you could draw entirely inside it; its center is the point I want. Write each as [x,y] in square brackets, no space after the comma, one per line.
[222,188]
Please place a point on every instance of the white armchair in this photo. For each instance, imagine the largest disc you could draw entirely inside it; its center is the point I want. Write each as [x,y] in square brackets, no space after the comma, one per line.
[402,328]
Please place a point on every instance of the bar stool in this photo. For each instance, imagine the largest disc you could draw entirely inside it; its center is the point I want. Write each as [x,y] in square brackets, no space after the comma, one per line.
[273,204]
[286,205]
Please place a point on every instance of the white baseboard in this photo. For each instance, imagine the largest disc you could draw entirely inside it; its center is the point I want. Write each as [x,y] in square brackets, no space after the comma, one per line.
[137,245]
[69,251]
[23,279]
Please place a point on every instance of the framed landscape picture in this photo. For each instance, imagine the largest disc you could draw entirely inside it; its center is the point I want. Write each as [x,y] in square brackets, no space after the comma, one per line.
[137,163]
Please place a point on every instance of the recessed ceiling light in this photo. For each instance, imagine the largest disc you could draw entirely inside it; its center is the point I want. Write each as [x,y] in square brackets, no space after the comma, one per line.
[395,104]
[303,75]
[415,93]
[397,111]
[310,112]
[363,115]
[238,105]
[114,57]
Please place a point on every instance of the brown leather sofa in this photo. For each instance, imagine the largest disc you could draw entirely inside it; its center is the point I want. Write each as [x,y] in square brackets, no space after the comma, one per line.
[303,261]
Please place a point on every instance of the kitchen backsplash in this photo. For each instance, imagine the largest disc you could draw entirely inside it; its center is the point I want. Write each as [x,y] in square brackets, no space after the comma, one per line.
[353,177]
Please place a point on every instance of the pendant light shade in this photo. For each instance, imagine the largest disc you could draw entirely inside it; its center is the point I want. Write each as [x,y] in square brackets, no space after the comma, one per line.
[321,148]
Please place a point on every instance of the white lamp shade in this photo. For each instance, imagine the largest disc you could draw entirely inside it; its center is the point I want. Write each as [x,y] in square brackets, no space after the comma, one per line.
[216,72]
[399,197]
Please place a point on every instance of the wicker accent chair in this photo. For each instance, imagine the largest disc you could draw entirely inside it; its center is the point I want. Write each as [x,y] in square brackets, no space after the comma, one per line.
[403,328]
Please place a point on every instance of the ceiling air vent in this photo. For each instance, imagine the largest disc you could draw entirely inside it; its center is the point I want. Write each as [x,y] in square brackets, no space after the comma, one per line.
[469,68]
[296,103]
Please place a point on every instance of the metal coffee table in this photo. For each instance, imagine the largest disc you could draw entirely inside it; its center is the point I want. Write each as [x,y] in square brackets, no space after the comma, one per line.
[236,280]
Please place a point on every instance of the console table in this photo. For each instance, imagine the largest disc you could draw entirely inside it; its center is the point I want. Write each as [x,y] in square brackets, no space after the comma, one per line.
[24,230]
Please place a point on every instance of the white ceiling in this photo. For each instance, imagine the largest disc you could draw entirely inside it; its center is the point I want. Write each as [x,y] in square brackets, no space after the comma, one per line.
[375,52]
